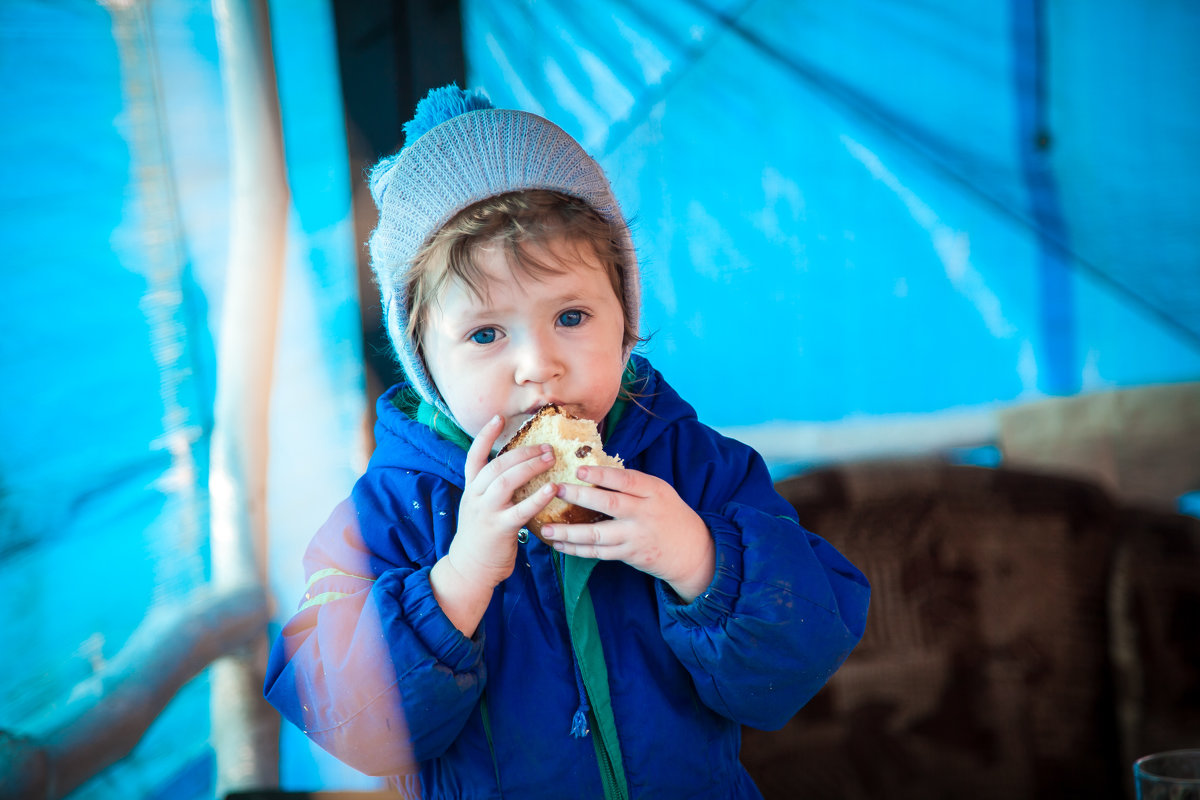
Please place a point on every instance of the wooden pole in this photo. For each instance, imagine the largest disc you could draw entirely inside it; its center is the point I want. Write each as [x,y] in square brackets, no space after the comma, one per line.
[225,624]
[110,711]
[245,729]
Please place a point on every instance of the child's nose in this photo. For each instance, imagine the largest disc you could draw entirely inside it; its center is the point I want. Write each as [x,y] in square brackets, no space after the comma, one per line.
[539,360]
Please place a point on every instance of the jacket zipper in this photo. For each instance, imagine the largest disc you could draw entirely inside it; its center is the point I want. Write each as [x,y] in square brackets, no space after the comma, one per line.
[608,776]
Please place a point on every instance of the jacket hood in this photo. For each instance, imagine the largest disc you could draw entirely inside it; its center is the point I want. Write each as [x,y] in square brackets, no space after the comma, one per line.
[403,443]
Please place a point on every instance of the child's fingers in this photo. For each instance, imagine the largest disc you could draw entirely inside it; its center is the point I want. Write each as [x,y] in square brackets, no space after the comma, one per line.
[616,479]
[531,506]
[592,497]
[600,540]
[481,448]
[506,476]
[503,463]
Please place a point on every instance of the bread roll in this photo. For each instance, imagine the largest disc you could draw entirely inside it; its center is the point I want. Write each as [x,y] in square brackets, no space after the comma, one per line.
[576,443]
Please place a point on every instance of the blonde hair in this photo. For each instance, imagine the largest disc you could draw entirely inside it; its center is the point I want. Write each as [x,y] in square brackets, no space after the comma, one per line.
[522,223]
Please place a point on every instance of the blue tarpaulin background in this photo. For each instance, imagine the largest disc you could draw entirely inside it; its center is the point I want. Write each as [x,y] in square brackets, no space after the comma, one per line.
[872,207]
[862,210]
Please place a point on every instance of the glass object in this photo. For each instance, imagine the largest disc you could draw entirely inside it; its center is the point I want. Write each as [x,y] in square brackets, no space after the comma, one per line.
[1174,775]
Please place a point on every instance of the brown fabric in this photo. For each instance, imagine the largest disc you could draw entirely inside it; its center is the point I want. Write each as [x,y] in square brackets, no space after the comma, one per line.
[1155,627]
[984,671]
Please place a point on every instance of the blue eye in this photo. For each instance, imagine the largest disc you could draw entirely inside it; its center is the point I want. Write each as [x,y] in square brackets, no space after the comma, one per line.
[569,319]
[484,336]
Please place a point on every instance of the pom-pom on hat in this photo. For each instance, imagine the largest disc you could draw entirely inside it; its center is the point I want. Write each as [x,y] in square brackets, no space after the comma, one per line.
[458,150]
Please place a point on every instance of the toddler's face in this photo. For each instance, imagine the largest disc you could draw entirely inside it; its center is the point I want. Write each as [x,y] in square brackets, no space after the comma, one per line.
[528,342]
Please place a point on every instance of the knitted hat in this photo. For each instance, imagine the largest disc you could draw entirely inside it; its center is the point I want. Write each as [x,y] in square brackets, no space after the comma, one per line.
[459,150]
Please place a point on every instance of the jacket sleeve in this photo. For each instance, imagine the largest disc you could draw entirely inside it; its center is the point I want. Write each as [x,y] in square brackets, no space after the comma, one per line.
[784,608]
[369,667]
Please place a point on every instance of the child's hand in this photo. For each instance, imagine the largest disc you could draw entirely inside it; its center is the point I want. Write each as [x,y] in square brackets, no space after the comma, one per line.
[484,549]
[651,528]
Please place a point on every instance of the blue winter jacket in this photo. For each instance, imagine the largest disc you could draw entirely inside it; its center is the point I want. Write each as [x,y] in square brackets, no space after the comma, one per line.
[373,671]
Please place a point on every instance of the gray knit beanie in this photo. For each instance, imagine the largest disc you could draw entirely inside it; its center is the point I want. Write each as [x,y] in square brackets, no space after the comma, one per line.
[458,150]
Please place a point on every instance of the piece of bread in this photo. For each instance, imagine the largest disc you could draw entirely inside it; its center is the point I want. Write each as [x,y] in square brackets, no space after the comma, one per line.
[576,442]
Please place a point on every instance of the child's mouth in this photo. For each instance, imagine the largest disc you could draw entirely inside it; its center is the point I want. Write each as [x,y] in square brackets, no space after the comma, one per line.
[533,409]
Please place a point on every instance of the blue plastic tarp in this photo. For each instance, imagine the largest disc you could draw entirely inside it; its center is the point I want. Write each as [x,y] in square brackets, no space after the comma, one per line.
[873,208]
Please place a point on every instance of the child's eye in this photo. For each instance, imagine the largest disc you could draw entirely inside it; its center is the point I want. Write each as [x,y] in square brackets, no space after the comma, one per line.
[484,336]
[569,319]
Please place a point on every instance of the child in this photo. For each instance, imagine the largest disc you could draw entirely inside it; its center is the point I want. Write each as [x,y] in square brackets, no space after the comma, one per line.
[438,642]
